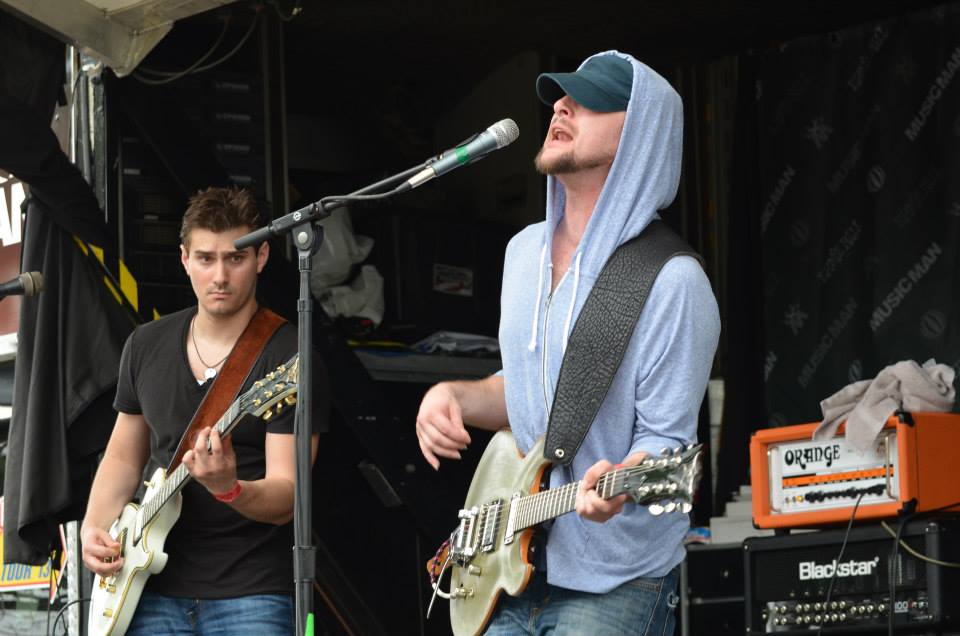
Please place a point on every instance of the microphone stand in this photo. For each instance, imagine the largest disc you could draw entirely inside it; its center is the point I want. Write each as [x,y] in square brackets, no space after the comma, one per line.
[308,236]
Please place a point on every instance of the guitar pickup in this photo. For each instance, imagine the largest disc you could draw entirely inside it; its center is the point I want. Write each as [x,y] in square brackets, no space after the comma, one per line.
[491,521]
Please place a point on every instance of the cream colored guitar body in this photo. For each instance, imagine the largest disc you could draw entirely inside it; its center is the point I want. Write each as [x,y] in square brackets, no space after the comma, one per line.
[114,599]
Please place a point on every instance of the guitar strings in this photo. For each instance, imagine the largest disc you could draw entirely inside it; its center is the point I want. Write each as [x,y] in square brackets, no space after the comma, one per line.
[530,507]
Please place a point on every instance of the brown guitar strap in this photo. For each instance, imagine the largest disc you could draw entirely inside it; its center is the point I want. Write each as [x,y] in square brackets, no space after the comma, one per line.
[227,383]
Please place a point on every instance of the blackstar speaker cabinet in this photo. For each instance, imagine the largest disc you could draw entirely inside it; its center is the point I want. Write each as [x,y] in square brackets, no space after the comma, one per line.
[787,578]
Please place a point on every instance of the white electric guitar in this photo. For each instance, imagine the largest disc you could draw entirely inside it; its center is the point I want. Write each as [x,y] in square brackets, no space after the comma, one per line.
[142,530]
[488,552]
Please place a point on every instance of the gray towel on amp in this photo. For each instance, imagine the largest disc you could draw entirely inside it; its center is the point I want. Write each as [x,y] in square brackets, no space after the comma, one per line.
[867,404]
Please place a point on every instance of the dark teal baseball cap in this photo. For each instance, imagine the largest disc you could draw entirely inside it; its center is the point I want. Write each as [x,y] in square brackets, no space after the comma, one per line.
[602,84]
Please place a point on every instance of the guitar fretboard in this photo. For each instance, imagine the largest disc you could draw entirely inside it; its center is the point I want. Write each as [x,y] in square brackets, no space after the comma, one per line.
[542,506]
[179,478]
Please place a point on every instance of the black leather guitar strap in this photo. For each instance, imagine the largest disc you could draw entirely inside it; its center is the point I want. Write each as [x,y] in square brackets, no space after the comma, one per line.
[602,333]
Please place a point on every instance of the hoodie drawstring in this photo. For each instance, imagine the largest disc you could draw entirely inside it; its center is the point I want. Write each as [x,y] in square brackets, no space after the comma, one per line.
[536,310]
[573,301]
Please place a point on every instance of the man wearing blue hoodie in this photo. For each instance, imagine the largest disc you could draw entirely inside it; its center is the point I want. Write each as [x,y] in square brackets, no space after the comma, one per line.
[612,157]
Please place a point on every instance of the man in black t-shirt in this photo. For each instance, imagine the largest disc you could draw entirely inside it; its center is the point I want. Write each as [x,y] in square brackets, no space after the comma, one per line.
[230,566]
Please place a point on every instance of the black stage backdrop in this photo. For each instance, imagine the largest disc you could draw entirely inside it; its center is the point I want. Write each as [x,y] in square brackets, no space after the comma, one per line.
[856,204]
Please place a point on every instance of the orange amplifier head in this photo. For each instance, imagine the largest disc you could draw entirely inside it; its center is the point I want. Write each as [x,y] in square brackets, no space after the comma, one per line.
[797,482]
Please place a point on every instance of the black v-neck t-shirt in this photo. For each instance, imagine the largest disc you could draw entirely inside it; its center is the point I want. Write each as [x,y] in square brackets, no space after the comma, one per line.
[214,551]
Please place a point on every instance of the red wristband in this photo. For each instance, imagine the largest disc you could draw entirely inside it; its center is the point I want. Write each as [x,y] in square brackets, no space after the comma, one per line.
[230,495]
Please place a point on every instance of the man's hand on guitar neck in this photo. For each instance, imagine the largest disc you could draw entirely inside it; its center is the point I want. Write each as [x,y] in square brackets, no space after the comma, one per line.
[590,505]
[214,465]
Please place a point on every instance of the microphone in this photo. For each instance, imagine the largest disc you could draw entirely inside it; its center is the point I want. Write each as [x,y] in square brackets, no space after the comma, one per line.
[501,134]
[26,284]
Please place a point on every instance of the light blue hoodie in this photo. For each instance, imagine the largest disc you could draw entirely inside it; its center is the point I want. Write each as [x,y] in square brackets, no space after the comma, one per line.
[655,397]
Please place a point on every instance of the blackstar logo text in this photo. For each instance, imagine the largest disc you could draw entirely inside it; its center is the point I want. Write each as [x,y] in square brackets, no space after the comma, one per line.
[812,571]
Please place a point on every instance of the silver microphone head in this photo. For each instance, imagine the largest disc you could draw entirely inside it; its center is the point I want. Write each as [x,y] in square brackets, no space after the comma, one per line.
[505,132]
[32,283]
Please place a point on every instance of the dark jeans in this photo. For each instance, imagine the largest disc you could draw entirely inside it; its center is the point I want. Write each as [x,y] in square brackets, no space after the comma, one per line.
[256,615]
[643,606]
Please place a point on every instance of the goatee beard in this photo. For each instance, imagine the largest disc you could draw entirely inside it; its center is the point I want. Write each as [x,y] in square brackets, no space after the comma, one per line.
[567,163]
[564,164]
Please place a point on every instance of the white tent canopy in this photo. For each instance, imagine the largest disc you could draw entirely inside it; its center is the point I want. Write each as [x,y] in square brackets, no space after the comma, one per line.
[120,33]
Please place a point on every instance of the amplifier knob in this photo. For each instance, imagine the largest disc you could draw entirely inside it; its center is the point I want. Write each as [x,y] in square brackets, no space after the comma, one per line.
[842,605]
[843,617]
[783,609]
[806,607]
[817,619]
[882,608]
[870,608]
[834,618]
[817,606]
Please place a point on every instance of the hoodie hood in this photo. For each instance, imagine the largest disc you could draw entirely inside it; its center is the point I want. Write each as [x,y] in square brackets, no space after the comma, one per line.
[644,176]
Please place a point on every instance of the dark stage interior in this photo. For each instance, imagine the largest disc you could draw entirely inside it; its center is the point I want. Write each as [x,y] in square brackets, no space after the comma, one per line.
[322,98]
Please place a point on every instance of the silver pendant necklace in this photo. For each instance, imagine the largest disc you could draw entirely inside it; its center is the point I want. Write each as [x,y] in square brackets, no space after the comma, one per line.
[210,372]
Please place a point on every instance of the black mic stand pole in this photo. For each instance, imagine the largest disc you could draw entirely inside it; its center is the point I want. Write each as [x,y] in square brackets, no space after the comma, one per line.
[307,237]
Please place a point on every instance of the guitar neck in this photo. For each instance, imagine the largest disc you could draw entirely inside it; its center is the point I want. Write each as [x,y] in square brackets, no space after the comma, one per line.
[550,504]
[179,478]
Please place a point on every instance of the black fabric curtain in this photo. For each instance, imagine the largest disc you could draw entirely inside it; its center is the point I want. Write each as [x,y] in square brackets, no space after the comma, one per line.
[846,218]
[71,335]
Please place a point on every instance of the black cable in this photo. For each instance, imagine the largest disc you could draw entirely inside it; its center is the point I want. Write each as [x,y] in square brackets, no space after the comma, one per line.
[836,564]
[891,573]
[294,12]
[360,197]
[170,77]
[895,552]
[60,613]
[175,75]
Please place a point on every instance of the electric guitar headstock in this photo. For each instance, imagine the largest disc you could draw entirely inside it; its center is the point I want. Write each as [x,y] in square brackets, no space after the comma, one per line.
[666,483]
[271,394]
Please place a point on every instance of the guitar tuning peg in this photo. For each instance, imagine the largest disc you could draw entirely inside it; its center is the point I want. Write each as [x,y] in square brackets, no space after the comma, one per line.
[672,488]
[643,491]
[670,507]
[677,451]
[655,509]
[686,507]
[664,451]
[690,447]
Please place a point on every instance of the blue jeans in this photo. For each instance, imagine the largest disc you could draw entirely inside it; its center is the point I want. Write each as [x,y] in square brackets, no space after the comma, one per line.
[642,607]
[256,615]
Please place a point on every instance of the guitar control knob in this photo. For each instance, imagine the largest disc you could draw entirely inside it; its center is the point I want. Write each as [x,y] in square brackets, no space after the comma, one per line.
[655,509]
[475,570]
